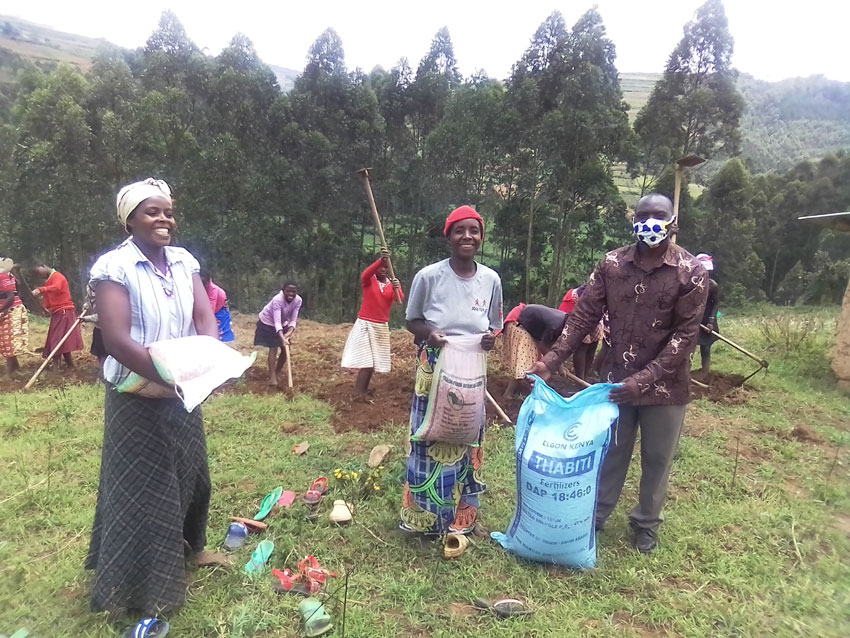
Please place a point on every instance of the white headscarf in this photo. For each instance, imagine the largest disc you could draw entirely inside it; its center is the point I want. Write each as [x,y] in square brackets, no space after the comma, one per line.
[134,194]
[706,260]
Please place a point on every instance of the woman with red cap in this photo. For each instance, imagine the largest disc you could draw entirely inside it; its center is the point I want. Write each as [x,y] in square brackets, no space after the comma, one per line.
[455,296]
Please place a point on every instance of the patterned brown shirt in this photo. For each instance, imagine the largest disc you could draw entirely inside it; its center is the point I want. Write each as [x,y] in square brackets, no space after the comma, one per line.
[654,318]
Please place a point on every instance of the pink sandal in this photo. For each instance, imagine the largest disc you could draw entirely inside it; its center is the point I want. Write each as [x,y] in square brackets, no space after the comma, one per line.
[320,485]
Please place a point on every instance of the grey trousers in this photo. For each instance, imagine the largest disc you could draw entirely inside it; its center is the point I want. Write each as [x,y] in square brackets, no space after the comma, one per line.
[660,428]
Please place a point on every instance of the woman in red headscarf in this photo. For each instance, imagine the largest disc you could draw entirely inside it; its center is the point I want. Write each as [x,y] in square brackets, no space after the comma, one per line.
[453,297]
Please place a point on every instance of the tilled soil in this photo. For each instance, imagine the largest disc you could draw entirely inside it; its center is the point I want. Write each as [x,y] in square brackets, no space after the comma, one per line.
[316,353]
[722,388]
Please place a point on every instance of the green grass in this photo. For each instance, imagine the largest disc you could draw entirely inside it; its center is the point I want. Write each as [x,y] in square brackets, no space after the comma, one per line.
[767,556]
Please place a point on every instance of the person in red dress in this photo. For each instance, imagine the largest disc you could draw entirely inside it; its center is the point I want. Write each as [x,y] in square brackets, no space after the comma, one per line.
[368,346]
[56,297]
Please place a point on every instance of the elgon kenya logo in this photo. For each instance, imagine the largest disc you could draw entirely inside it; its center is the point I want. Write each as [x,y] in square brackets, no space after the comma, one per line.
[571,433]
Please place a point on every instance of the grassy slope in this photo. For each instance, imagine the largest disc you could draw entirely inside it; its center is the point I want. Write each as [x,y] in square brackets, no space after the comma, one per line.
[42,44]
[728,565]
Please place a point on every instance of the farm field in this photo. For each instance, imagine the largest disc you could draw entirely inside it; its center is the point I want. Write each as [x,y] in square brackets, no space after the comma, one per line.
[756,540]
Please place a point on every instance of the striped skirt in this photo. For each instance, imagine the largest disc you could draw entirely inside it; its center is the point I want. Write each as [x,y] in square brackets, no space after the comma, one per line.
[443,484]
[152,502]
[368,346]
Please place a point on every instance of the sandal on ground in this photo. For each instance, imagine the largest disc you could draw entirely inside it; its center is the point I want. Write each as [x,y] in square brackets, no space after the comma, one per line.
[311,499]
[147,628]
[289,584]
[268,503]
[341,513]
[260,557]
[503,607]
[236,535]
[287,498]
[317,622]
[254,527]
[456,545]
[320,485]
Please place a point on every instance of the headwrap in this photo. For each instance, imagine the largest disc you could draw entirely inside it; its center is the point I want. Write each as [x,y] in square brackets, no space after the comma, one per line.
[706,260]
[134,194]
[6,265]
[464,212]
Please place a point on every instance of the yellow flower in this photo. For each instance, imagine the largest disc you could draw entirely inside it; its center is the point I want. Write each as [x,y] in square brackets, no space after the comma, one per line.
[377,487]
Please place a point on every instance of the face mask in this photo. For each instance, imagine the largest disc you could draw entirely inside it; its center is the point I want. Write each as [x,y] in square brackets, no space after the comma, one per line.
[652,231]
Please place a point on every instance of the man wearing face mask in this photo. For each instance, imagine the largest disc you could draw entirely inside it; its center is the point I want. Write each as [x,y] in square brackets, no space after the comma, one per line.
[655,292]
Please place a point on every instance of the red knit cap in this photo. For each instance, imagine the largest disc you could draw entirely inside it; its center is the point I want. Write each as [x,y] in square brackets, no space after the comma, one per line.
[464,212]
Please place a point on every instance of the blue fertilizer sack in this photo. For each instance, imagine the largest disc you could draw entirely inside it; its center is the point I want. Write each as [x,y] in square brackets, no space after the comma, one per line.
[560,445]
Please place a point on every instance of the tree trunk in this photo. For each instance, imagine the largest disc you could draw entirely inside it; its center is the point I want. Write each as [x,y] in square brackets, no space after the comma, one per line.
[528,245]
[773,274]
[563,241]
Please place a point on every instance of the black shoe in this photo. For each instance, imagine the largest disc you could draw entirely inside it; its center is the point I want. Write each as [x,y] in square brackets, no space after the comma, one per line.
[645,540]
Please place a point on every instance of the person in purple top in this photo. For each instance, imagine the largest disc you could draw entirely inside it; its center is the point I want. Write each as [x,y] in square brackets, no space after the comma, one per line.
[276,325]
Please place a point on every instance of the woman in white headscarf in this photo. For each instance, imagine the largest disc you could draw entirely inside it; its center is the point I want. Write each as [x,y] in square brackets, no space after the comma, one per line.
[154,487]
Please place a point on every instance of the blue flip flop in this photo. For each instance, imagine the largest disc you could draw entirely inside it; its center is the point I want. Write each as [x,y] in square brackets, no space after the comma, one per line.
[147,628]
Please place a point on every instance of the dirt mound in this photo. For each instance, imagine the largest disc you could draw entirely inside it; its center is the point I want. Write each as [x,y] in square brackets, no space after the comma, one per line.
[722,388]
[804,434]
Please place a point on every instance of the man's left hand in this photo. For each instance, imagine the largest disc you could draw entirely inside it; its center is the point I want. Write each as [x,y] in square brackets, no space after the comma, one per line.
[629,392]
[36,293]
[488,340]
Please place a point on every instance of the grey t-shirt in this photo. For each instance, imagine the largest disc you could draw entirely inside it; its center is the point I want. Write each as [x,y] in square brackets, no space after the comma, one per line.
[454,305]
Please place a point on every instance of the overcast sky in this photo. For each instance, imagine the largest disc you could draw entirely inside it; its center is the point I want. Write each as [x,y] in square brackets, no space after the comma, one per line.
[773,40]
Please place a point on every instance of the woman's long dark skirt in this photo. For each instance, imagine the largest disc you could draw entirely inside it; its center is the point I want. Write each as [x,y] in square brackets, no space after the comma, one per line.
[154,492]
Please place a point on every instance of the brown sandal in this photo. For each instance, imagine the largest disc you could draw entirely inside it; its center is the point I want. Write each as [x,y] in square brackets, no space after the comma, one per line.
[255,527]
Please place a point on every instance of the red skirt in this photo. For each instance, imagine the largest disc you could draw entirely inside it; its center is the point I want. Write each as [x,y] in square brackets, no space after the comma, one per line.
[60,324]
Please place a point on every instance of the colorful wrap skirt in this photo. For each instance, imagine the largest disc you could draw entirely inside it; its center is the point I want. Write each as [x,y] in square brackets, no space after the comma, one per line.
[443,482]
[14,332]
[519,352]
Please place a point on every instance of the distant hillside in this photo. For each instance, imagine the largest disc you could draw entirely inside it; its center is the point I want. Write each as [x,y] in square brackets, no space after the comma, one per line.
[636,89]
[285,77]
[22,41]
[40,44]
[784,122]
[793,119]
